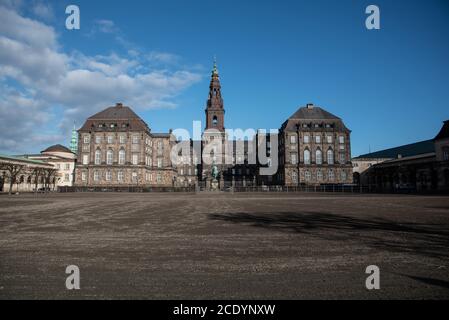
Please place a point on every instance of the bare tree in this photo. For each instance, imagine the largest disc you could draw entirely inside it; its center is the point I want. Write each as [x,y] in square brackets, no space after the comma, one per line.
[50,175]
[37,173]
[12,172]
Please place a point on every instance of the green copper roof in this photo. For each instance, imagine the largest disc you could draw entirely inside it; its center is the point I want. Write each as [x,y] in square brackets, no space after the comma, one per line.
[407,150]
[215,70]
[21,158]
[74,140]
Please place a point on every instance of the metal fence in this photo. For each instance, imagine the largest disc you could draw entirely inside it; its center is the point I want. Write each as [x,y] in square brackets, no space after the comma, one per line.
[202,187]
[127,189]
[305,188]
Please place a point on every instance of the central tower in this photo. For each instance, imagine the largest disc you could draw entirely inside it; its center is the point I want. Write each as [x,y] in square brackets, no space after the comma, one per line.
[214,109]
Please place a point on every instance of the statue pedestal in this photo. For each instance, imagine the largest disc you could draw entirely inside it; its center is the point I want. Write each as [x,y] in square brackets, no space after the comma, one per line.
[214,185]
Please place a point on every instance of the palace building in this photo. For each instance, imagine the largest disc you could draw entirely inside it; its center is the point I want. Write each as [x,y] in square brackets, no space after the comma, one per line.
[314,148]
[117,148]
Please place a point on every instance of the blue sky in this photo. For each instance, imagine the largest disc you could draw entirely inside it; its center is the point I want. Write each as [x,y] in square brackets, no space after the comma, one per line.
[390,86]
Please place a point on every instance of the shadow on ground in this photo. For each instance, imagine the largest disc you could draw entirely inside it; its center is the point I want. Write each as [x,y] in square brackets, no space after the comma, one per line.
[423,239]
[430,281]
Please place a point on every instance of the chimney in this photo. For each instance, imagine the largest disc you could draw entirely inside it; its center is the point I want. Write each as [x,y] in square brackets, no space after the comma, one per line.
[119,104]
[310,106]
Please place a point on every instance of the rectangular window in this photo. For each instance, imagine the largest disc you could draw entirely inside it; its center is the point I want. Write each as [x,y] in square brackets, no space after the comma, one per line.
[96,176]
[159,163]
[306,139]
[97,139]
[110,139]
[67,166]
[331,175]
[329,139]
[292,139]
[83,176]
[108,175]
[135,139]
[86,139]
[342,158]
[122,139]
[85,159]
[445,154]
[317,139]
[159,178]
[134,177]
[135,159]
[86,147]
[66,177]
[120,176]
[293,158]
[341,139]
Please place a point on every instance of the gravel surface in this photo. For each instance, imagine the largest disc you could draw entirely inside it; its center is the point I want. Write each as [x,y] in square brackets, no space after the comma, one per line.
[224,246]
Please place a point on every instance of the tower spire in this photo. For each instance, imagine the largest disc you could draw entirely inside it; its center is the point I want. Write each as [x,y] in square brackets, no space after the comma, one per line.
[215,70]
[215,108]
[74,140]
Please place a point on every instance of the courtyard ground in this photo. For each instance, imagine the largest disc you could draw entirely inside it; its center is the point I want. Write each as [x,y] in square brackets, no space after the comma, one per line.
[224,246]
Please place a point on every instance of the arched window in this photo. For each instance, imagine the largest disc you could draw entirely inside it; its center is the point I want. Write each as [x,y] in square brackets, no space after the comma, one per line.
[318,156]
[98,157]
[109,157]
[121,156]
[330,156]
[306,156]
[214,120]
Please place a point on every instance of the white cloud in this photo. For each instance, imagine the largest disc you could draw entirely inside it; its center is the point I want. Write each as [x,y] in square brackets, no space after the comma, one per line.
[105,26]
[43,10]
[37,78]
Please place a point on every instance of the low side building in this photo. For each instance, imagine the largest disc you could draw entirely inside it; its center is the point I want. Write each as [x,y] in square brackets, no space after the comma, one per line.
[364,162]
[62,158]
[25,174]
[420,167]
